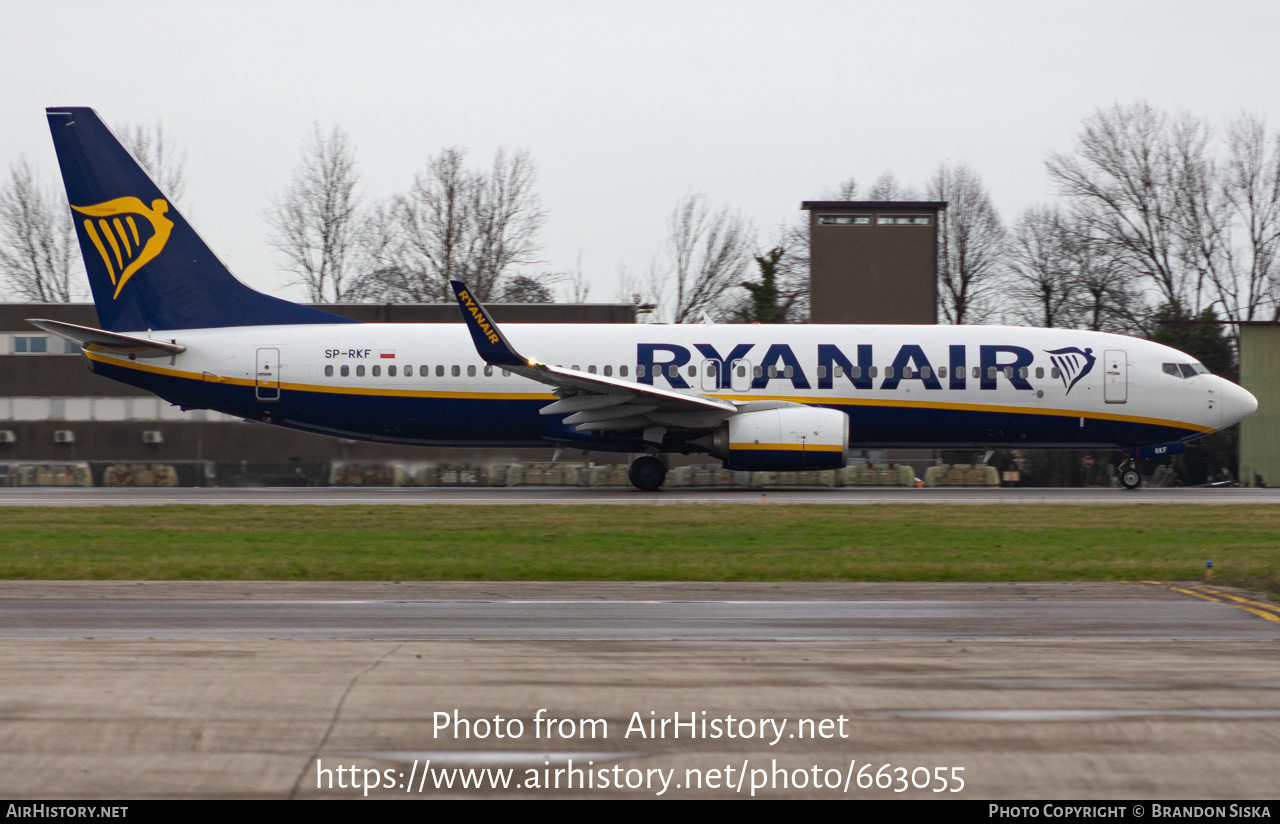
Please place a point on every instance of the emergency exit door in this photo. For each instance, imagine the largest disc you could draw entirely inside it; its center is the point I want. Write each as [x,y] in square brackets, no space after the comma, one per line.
[267,384]
[1116,369]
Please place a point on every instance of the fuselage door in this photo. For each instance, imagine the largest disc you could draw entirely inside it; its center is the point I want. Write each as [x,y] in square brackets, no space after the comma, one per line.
[710,375]
[1116,388]
[740,375]
[267,384]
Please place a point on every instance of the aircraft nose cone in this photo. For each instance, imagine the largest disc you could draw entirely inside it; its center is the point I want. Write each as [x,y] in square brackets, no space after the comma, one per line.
[1238,403]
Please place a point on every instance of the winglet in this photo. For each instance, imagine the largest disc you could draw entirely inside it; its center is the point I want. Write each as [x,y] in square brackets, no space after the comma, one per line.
[490,343]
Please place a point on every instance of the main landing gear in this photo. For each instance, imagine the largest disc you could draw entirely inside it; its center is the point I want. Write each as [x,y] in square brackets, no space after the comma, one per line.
[1130,478]
[647,473]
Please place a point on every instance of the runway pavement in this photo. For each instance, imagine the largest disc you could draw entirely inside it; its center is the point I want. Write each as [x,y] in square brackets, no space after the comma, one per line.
[851,496]
[1073,690]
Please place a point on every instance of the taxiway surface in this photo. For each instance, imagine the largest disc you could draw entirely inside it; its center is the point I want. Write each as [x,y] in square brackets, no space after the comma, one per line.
[410,496]
[1043,690]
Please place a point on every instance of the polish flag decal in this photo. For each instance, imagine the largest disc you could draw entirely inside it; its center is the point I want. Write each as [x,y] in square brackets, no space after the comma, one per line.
[388,353]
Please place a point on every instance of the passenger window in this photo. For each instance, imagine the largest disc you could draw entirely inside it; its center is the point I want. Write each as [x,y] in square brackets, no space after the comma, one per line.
[838,371]
[1008,372]
[757,372]
[455,370]
[1022,372]
[471,371]
[888,371]
[873,371]
[391,371]
[1055,373]
[622,371]
[742,371]
[1039,372]
[856,372]
[591,370]
[822,371]
[977,372]
[608,371]
[991,373]
[942,371]
[773,371]
[377,370]
[506,374]
[424,370]
[926,372]
[440,370]
[328,371]
[488,371]
[360,371]
[672,372]
[693,371]
[346,370]
[787,372]
[907,373]
[576,368]
[640,371]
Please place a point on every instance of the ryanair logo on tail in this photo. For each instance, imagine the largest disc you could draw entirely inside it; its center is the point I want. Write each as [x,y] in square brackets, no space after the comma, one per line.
[125,246]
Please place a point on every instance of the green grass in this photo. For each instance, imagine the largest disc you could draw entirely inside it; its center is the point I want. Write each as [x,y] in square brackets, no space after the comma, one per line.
[686,543]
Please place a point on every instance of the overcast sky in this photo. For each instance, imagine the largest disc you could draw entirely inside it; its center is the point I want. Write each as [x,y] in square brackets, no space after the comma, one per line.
[626,107]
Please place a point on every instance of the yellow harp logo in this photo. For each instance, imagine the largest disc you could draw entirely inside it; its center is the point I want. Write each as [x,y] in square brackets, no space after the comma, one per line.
[129,250]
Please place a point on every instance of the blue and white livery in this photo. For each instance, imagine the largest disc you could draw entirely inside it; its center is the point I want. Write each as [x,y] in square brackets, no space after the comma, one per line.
[759,397]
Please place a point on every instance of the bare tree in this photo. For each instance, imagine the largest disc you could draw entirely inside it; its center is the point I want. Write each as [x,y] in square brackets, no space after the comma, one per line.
[38,248]
[888,187]
[1251,189]
[525,289]
[317,221]
[970,243]
[157,154]
[1041,283]
[707,250]
[456,223]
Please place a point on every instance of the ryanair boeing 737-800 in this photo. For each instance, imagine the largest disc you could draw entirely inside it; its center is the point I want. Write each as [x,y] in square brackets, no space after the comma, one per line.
[759,397]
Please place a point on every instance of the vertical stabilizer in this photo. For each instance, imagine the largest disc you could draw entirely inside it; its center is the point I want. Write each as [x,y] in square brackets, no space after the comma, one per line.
[147,267]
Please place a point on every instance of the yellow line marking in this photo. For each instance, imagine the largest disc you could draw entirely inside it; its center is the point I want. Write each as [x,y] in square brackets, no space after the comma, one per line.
[1250,601]
[1219,600]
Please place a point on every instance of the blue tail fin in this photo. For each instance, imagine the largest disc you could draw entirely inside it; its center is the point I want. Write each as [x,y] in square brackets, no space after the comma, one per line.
[147,267]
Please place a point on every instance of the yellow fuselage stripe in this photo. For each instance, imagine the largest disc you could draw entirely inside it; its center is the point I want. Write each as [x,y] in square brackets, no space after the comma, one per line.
[824,401]
[789,447]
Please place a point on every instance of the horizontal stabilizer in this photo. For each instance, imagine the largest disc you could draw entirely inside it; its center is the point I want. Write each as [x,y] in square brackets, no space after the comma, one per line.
[100,340]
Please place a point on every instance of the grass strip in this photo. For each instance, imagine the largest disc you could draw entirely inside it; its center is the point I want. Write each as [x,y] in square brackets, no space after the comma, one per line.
[687,543]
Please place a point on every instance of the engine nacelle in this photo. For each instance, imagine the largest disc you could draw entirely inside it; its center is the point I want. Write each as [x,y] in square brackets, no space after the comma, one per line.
[787,439]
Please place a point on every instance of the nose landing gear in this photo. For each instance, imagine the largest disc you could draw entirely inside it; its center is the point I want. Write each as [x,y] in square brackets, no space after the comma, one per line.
[1130,478]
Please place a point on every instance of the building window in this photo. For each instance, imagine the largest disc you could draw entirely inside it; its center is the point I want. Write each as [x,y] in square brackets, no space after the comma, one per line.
[844,220]
[30,344]
[903,220]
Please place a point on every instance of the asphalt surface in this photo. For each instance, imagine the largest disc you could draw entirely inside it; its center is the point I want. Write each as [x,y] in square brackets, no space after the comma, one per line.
[327,496]
[252,689]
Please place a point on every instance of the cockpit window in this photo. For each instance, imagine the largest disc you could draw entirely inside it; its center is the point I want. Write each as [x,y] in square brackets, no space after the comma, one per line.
[1185,370]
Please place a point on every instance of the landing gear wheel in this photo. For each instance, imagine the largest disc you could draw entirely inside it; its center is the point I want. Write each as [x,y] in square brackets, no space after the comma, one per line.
[1130,478]
[647,473]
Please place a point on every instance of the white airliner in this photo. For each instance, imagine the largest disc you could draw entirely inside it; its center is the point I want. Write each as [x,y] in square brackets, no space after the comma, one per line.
[758,397]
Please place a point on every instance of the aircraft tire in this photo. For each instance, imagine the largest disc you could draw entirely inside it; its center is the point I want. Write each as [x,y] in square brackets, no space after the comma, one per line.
[1130,478]
[647,473]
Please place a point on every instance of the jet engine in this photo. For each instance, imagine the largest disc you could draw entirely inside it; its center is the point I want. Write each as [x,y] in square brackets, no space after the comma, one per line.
[789,438]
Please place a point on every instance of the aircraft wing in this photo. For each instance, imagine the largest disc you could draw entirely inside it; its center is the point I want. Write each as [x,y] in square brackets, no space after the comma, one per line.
[596,403]
[100,340]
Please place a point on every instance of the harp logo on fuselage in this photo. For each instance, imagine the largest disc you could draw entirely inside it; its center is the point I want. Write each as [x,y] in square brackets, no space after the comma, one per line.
[115,234]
